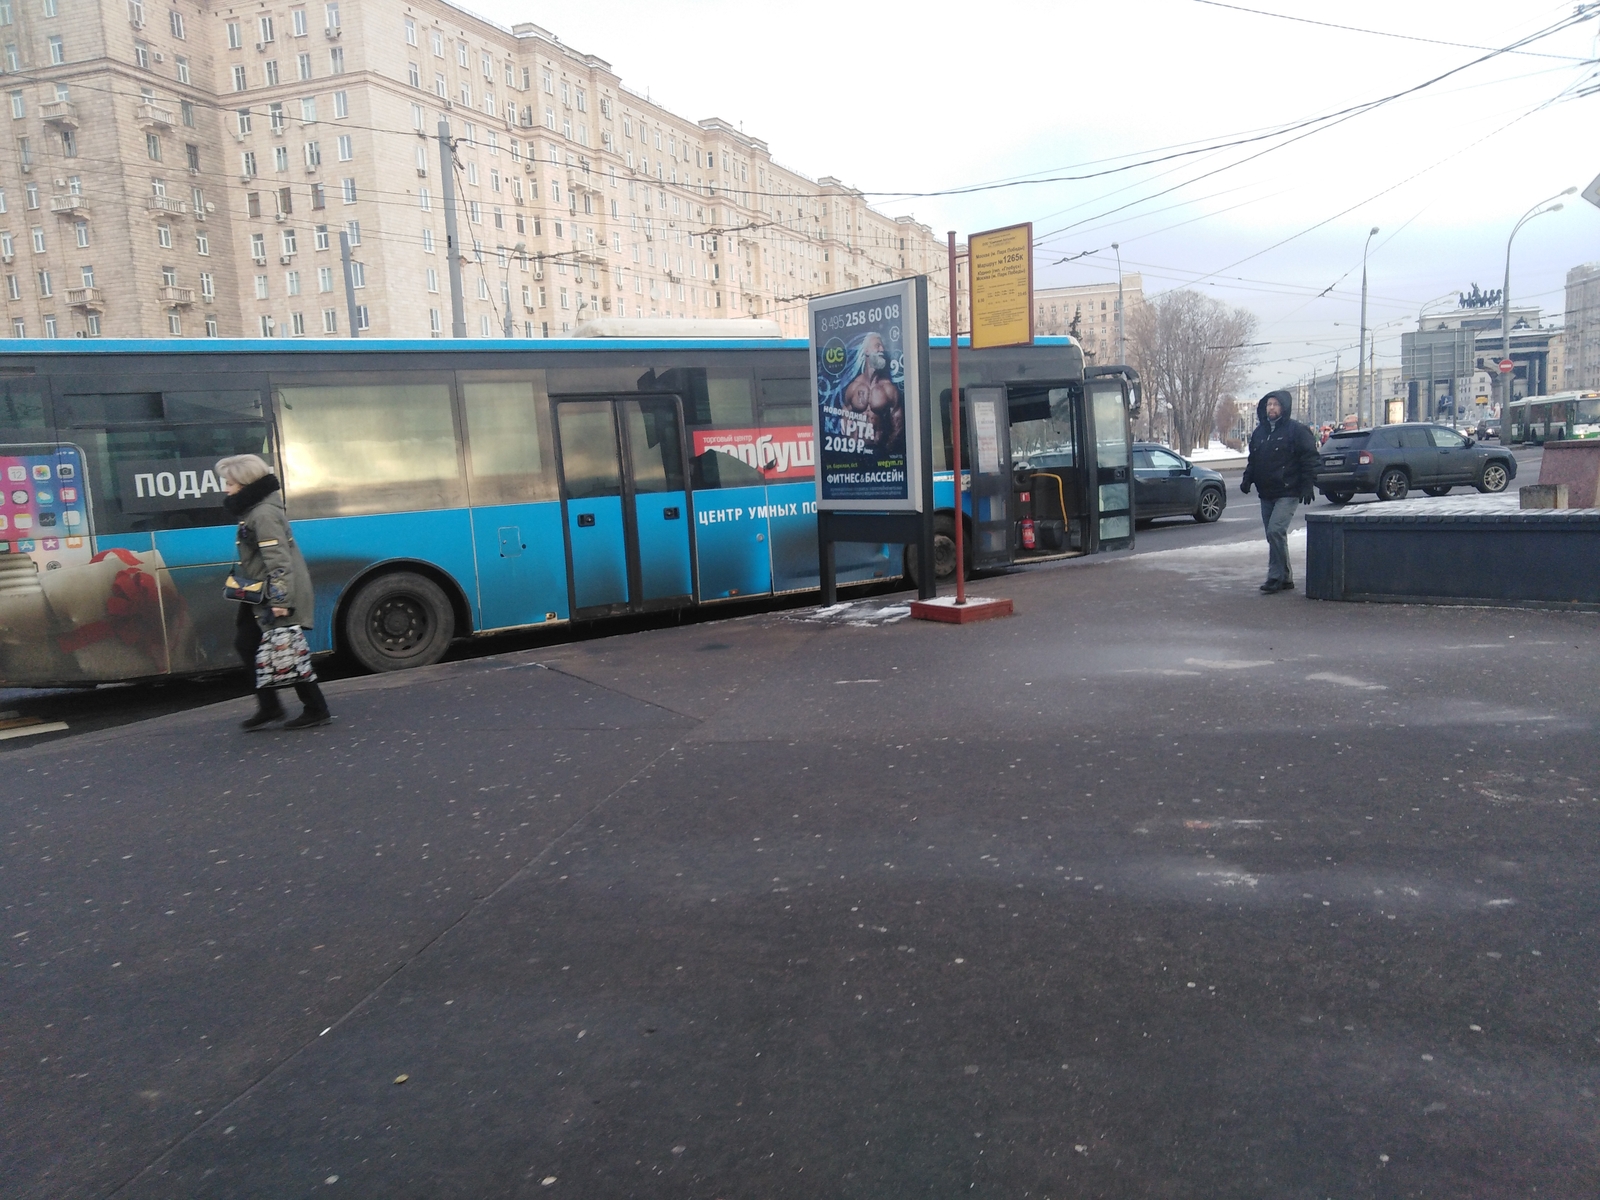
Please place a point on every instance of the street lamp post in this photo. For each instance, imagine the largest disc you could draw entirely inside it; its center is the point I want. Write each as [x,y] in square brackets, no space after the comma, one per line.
[505,285]
[1538,210]
[1122,344]
[1361,363]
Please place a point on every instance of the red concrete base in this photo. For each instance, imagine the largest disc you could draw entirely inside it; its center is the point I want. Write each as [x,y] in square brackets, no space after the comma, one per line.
[946,609]
[1576,464]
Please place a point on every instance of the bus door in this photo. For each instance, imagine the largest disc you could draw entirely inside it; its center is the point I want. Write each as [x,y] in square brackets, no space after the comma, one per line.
[988,430]
[1112,494]
[624,504]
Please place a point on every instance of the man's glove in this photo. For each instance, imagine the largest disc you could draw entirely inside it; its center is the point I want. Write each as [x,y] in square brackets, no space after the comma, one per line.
[1307,497]
[1244,486]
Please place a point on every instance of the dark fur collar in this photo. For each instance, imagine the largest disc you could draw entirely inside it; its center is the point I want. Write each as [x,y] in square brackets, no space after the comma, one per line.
[250,495]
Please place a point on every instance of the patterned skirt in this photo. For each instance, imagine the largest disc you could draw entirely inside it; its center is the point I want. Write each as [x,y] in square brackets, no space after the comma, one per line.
[283,658]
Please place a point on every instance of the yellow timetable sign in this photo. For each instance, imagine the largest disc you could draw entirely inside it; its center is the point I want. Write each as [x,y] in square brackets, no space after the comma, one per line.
[1000,285]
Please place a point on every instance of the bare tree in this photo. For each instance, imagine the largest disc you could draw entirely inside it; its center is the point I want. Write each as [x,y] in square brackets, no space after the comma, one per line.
[1190,350]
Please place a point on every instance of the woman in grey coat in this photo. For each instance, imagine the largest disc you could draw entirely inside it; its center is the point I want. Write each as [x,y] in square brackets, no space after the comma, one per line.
[267,552]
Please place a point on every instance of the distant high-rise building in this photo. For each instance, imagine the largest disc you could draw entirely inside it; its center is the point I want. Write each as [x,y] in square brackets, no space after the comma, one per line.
[1580,368]
[187,171]
[1088,310]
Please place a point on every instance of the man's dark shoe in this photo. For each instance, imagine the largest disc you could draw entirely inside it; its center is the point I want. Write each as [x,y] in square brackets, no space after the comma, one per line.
[308,720]
[1270,586]
[260,720]
[1286,586]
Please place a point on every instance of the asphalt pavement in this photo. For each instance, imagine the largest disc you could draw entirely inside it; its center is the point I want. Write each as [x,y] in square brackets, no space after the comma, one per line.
[1159,887]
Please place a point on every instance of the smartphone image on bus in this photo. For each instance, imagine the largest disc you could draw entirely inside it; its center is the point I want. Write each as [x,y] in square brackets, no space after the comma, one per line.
[44,507]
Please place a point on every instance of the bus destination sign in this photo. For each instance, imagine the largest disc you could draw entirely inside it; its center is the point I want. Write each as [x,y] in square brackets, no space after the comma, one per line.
[865,390]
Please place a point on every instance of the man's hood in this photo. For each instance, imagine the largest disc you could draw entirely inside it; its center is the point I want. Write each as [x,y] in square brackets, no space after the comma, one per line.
[1285,401]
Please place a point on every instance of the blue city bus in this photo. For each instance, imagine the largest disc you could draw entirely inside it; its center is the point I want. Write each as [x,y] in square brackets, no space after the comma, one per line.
[444,489]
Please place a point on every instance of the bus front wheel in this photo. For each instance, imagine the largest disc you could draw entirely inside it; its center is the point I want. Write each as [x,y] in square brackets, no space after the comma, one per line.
[397,621]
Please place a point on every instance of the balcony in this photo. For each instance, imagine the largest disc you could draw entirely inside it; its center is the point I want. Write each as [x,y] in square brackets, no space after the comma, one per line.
[156,116]
[69,206]
[90,299]
[61,113]
[166,205]
[175,296]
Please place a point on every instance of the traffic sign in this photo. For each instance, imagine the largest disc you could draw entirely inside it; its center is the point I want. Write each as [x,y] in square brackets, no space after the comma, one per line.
[1506,365]
[1592,192]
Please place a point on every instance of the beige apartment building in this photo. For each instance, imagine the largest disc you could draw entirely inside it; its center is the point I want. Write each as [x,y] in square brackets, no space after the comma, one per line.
[1089,311]
[187,170]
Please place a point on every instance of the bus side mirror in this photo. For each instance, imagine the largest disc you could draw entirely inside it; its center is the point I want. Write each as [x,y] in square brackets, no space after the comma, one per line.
[1135,399]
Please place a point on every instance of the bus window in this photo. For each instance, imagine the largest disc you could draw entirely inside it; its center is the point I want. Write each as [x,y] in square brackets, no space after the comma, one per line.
[508,441]
[589,451]
[145,471]
[369,448]
[654,450]
[22,407]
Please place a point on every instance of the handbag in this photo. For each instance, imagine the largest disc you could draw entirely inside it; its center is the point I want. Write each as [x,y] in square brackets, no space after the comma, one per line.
[241,588]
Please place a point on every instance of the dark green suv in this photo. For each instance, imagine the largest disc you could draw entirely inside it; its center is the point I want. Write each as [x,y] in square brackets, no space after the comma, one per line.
[1393,459]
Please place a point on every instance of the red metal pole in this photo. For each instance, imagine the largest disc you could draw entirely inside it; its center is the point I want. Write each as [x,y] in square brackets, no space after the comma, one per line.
[955,421]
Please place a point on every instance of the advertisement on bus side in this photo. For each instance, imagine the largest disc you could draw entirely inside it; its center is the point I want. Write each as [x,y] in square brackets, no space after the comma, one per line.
[864,353]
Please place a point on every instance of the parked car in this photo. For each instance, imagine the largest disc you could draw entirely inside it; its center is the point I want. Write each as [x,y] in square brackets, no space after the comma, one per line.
[1166,484]
[1393,459]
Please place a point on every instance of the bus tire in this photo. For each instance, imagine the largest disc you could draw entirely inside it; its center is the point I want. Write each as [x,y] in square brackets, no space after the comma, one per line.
[944,552]
[398,620]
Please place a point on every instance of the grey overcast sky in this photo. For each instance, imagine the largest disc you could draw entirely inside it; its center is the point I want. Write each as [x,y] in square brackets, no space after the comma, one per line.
[901,98]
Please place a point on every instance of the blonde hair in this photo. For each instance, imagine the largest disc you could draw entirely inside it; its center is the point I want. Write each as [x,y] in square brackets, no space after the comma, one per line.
[243,469]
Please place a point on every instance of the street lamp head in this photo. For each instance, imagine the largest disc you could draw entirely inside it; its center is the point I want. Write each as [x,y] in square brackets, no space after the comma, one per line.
[1555,208]
[1569,191]
[1374,232]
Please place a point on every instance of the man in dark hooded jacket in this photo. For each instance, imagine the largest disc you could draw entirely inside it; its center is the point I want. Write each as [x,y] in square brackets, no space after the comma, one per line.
[1283,469]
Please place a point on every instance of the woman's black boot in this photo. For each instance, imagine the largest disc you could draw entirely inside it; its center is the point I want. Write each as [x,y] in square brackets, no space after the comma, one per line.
[268,709]
[316,711]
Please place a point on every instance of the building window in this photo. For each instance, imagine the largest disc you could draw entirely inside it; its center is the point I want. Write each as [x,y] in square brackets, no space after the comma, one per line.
[414,75]
[427,241]
[308,110]
[435,322]
[362,320]
[291,283]
[81,229]
[57,54]
[258,247]
[336,60]
[270,72]
[264,25]
[38,240]
[191,154]
[280,158]
[266,326]
[303,65]
[322,237]
[235,37]
[439,87]
[261,287]
[425,199]
[183,70]
[319,197]
[313,152]
[175,323]
[50,327]
[438,44]
[330,320]
[247,164]
[346,150]
[411,32]
[152,146]
[352,230]
[349,189]
[44,284]
[169,276]
[324,279]
[240,78]
[432,280]
[141,56]
[92,321]
[358,275]
[202,244]
[19,327]
[291,243]
[164,236]
[297,324]
[208,286]
[299,18]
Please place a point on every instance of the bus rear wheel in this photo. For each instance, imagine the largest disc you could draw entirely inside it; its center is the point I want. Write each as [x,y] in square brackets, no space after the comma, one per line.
[397,621]
[944,553]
